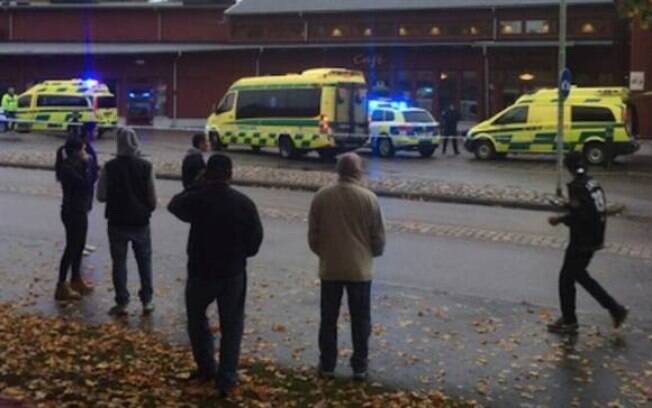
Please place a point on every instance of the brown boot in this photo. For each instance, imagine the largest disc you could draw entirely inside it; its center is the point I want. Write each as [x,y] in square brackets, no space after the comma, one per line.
[81,287]
[65,293]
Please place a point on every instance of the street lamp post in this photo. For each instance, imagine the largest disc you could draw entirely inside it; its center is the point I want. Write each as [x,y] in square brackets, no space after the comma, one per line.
[560,96]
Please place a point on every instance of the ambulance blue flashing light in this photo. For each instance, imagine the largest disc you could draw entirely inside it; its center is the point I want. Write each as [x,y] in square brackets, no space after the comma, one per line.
[376,103]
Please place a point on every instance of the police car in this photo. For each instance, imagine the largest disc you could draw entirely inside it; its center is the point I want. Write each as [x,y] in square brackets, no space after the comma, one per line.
[394,126]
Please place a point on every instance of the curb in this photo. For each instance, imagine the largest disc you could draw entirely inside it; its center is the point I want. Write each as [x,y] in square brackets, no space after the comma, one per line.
[441,198]
[312,188]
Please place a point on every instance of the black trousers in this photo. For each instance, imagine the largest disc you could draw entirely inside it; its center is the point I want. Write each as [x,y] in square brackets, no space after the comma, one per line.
[453,139]
[574,271]
[76,225]
[359,296]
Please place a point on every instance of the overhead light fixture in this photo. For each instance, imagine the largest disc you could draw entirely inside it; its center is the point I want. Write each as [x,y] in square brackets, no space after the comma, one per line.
[473,30]
[588,28]
[443,76]
[402,31]
[526,76]
[368,32]
[435,30]
[337,32]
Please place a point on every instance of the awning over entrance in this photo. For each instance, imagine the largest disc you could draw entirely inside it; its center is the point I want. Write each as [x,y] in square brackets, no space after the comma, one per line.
[29,48]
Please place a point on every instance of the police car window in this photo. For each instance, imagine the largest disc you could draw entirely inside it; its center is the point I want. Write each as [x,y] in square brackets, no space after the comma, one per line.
[377,116]
[62,101]
[226,104]
[417,116]
[513,116]
[25,101]
[591,114]
[389,116]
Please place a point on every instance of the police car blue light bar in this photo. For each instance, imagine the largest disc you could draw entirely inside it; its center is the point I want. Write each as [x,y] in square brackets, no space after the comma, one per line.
[382,103]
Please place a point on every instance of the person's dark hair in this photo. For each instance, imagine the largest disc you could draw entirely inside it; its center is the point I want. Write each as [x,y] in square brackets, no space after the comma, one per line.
[219,167]
[198,139]
[574,161]
[73,145]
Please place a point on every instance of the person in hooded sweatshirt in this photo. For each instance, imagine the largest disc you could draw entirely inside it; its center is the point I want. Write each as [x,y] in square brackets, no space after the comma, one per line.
[193,164]
[126,185]
[73,171]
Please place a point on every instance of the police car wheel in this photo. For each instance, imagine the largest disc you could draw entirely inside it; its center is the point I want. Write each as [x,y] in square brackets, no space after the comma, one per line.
[385,147]
[426,151]
[594,153]
[484,150]
[286,147]
[3,127]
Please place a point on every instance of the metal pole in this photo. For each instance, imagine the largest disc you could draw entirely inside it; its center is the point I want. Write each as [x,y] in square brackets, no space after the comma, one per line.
[560,99]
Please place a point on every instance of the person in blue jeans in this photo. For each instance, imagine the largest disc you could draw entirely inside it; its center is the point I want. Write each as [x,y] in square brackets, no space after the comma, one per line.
[346,231]
[127,186]
[225,230]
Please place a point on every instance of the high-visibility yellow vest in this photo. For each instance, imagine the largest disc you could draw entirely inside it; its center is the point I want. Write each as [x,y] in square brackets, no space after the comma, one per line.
[10,103]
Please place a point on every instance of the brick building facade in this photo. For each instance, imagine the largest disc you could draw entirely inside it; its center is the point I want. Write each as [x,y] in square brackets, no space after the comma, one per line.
[477,54]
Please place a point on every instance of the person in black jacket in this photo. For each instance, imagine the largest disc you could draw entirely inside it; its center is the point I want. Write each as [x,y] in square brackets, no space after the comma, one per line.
[450,118]
[72,170]
[225,230]
[193,164]
[587,219]
[127,186]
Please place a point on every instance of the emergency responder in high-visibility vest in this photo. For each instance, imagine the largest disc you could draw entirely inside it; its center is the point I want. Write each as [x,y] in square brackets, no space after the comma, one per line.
[10,106]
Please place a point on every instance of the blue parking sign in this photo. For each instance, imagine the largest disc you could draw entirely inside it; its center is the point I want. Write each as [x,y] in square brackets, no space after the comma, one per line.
[565,83]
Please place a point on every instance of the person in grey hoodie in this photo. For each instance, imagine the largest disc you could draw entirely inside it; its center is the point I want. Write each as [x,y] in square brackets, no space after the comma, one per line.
[126,185]
[193,164]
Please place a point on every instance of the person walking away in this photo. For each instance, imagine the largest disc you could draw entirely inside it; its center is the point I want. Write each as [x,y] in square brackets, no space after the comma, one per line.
[225,230]
[127,187]
[193,164]
[586,217]
[450,118]
[73,172]
[10,106]
[346,231]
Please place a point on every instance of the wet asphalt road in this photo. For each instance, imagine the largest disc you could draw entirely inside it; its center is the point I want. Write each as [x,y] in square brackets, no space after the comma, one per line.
[457,313]
[628,181]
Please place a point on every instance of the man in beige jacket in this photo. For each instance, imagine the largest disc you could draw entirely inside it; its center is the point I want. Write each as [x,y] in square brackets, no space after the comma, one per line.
[346,231]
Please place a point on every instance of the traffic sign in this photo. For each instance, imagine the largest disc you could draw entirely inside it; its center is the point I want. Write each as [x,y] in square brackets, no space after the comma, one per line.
[565,83]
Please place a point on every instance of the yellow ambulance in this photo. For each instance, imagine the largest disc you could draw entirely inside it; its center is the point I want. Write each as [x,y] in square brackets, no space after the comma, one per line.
[54,105]
[323,110]
[596,124]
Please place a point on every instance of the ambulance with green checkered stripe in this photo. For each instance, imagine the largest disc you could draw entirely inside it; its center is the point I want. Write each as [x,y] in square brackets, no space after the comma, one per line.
[322,110]
[599,123]
[54,106]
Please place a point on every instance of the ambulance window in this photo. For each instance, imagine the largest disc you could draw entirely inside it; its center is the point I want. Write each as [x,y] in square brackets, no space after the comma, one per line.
[62,101]
[106,102]
[389,116]
[377,116]
[227,103]
[513,116]
[25,101]
[591,114]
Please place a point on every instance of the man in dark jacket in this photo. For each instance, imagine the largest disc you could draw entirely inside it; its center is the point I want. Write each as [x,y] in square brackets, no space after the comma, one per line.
[587,219]
[127,186]
[194,164]
[225,230]
[450,118]
[73,168]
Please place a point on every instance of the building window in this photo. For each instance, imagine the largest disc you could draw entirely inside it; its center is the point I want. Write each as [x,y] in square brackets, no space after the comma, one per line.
[537,27]
[248,32]
[469,96]
[510,27]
